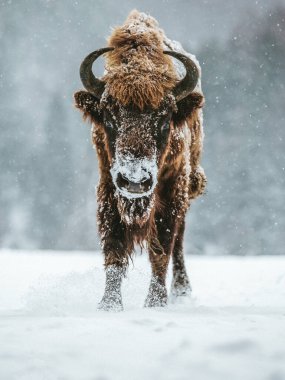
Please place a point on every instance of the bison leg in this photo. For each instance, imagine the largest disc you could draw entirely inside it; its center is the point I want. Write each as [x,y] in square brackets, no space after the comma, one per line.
[157,293]
[159,255]
[180,283]
[115,264]
[116,252]
[116,249]
[112,298]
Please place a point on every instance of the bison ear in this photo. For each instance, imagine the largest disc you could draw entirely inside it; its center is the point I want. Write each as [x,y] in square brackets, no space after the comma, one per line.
[187,105]
[89,105]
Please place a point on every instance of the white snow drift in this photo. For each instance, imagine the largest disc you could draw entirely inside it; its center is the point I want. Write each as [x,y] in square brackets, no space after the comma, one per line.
[233,327]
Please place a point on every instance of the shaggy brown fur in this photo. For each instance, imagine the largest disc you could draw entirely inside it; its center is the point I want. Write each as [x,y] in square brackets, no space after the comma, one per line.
[138,71]
[137,104]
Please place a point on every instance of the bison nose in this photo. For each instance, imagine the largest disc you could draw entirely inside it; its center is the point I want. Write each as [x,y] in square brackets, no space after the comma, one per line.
[140,187]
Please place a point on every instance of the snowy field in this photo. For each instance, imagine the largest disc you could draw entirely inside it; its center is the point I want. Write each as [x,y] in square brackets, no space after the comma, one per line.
[233,327]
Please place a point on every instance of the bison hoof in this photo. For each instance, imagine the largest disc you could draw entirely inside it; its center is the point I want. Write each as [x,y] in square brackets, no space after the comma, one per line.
[180,285]
[157,295]
[180,291]
[111,303]
[155,302]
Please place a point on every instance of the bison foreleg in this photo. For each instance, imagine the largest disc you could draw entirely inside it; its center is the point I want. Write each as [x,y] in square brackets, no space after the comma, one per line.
[180,283]
[116,260]
[157,293]
[112,298]
[160,250]
[116,248]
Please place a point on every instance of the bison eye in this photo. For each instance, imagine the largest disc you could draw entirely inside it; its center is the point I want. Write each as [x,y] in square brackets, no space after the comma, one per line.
[165,126]
[109,124]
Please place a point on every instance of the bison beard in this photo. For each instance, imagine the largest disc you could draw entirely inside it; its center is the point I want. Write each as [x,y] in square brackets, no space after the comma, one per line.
[135,211]
[148,134]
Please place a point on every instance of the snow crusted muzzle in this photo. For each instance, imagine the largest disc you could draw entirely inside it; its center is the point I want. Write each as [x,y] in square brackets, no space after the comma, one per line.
[134,177]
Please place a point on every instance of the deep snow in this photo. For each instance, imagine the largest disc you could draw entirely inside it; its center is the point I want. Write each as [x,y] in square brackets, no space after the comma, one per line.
[233,327]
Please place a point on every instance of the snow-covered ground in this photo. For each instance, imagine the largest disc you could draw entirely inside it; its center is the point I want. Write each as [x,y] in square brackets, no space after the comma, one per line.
[233,327]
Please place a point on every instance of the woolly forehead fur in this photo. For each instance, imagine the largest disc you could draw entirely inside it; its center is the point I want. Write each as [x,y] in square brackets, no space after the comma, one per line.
[138,73]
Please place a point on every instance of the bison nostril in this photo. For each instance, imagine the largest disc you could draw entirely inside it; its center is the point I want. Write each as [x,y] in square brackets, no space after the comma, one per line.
[146,184]
[122,181]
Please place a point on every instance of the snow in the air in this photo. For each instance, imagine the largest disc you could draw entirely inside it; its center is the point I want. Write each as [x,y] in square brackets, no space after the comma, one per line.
[233,326]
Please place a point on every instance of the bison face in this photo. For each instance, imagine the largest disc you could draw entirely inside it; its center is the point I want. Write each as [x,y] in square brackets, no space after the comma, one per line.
[137,144]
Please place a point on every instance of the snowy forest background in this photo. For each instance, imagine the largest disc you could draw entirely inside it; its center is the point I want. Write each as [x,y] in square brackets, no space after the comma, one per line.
[48,169]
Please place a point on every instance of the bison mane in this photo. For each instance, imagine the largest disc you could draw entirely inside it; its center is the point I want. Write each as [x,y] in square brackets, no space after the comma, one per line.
[138,73]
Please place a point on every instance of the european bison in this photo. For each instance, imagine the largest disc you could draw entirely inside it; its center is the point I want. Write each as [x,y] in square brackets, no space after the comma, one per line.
[147,128]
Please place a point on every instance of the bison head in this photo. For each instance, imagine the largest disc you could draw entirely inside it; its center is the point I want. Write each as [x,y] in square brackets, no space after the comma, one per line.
[136,139]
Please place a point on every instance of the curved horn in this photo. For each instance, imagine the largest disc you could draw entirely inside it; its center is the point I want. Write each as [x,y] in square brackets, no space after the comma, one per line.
[188,83]
[90,82]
